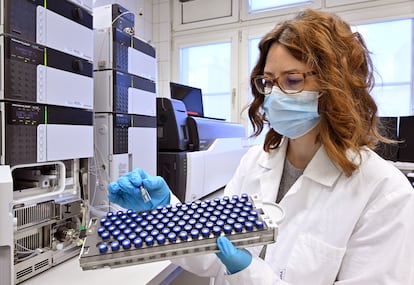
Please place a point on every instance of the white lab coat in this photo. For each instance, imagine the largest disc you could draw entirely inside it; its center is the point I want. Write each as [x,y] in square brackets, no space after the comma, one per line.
[337,229]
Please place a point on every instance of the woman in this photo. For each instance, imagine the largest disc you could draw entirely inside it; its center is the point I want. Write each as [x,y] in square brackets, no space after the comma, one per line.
[348,213]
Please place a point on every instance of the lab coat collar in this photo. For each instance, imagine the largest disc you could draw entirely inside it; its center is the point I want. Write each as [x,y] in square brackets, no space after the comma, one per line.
[320,169]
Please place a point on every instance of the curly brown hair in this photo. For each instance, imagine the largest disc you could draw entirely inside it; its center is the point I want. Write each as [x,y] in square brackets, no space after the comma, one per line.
[344,70]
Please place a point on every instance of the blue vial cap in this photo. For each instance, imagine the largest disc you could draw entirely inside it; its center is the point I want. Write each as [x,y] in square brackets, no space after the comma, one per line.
[102,247]
[122,227]
[132,236]
[192,222]
[138,242]
[159,226]
[137,230]
[121,238]
[100,230]
[102,221]
[149,228]
[107,224]
[149,240]
[205,232]
[128,221]
[119,213]
[130,212]
[172,237]
[213,219]
[209,224]
[160,239]
[115,245]
[143,234]
[175,219]
[183,235]
[116,233]
[241,220]
[198,226]
[244,214]
[194,234]
[259,224]
[220,207]
[126,244]
[105,235]
[181,223]
[165,231]
[127,231]
[216,230]
[109,214]
[155,221]
[238,227]
[188,228]
[176,229]
[227,229]
[154,233]
[230,221]
[248,225]
[117,222]
[133,225]
[170,225]
[220,223]
[202,220]
[200,211]
[111,228]
[251,219]
[196,216]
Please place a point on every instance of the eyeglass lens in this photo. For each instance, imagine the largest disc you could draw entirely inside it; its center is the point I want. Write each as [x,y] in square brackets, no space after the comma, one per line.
[289,83]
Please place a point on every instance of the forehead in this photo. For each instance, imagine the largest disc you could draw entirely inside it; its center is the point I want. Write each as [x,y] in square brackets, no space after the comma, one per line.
[280,60]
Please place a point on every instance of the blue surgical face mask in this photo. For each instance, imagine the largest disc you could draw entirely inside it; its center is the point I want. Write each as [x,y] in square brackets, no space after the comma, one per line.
[292,115]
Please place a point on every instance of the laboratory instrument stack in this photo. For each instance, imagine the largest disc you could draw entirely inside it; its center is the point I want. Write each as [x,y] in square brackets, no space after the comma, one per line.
[46,116]
[125,70]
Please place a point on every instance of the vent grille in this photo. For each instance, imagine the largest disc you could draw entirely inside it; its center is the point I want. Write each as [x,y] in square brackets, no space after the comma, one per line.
[41,264]
[32,241]
[33,215]
[24,272]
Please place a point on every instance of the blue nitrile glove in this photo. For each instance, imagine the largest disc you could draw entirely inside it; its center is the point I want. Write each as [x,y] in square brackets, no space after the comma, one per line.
[233,258]
[126,191]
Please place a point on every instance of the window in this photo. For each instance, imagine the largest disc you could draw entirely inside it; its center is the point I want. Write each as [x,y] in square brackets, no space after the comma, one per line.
[209,67]
[391,46]
[264,5]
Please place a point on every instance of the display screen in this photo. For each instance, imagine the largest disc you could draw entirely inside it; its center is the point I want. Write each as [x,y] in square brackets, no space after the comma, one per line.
[21,114]
[191,96]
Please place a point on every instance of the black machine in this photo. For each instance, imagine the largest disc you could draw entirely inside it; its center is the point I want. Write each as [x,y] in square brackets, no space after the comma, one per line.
[189,148]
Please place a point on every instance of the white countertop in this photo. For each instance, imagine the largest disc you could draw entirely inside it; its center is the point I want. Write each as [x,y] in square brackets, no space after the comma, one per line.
[70,272]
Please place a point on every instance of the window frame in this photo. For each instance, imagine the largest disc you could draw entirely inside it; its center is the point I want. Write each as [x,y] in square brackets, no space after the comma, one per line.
[205,39]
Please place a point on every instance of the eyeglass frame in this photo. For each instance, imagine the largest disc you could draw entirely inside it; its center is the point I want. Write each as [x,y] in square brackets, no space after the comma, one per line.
[275,81]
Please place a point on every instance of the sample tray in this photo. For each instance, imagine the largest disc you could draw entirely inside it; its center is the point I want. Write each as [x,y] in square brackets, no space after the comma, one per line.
[128,238]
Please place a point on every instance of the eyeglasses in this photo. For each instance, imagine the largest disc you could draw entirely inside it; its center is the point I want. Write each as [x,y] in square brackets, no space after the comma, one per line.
[289,83]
